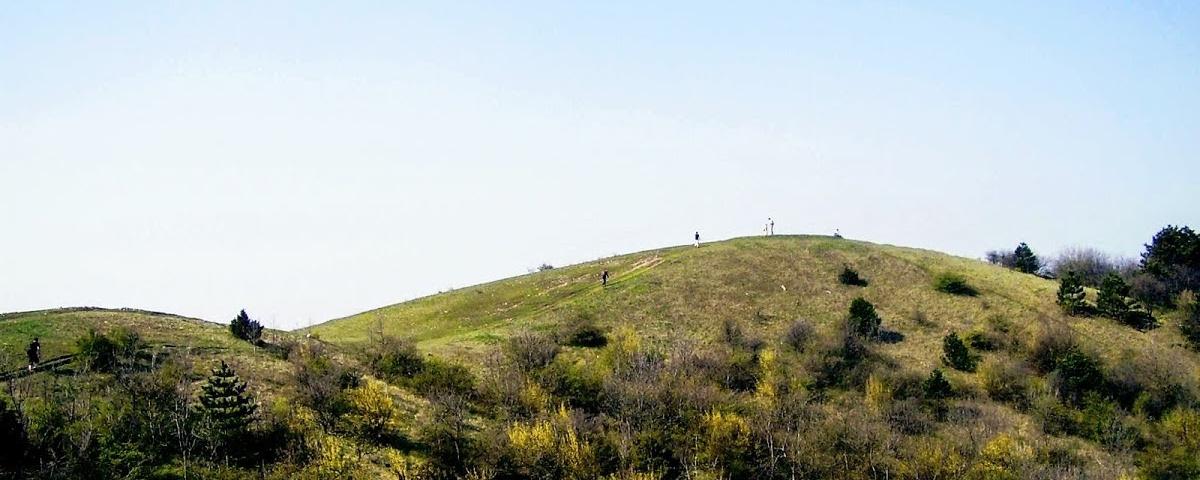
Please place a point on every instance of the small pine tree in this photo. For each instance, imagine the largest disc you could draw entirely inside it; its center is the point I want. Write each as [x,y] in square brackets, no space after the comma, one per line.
[1071,295]
[225,404]
[936,387]
[1111,300]
[1077,373]
[1024,259]
[957,355]
[246,329]
[850,277]
[862,319]
[1138,316]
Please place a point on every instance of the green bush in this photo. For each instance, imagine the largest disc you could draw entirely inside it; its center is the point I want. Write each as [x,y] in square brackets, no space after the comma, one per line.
[1138,316]
[1071,295]
[97,352]
[576,384]
[1076,374]
[849,276]
[1024,259]
[1189,326]
[395,358]
[984,341]
[862,318]
[956,354]
[439,377]
[1056,418]
[1110,299]
[246,329]
[953,284]
[1005,381]
[936,387]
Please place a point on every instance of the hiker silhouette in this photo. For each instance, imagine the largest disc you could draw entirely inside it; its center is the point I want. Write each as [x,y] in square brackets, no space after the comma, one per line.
[34,352]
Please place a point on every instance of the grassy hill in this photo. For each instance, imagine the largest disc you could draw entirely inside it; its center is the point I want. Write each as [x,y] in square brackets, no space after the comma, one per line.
[58,331]
[731,360]
[764,281]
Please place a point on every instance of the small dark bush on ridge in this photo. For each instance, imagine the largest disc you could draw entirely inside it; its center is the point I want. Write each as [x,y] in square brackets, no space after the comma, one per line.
[1025,261]
[246,329]
[850,277]
[954,285]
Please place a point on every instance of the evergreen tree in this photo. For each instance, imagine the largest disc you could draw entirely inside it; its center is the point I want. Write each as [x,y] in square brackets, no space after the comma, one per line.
[1077,373]
[863,320]
[226,407]
[956,354]
[1173,258]
[1171,247]
[1138,316]
[1071,295]
[850,277]
[936,387]
[1024,260]
[1111,299]
[246,329]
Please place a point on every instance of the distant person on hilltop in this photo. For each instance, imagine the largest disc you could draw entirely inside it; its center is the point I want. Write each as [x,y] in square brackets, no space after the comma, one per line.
[604,278]
[34,352]
[837,233]
[770,226]
[697,239]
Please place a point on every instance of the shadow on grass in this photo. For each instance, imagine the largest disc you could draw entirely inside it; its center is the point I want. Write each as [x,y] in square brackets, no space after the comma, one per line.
[890,336]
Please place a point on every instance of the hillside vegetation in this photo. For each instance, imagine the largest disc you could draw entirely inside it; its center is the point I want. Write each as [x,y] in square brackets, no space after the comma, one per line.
[765,282]
[768,357]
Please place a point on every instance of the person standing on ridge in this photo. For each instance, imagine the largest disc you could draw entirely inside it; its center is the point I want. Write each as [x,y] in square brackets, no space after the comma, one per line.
[604,278]
[697,239]
[34,352]
[770,226]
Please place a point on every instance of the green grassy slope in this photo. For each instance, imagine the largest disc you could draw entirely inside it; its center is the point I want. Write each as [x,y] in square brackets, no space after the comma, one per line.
[765,282]
[59,329]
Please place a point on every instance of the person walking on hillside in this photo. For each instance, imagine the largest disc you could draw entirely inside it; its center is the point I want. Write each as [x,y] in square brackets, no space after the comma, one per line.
[697,239]
[604,278]
[34,352]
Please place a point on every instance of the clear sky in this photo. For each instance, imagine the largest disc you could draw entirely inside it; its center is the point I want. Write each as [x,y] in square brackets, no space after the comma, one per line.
[307,161]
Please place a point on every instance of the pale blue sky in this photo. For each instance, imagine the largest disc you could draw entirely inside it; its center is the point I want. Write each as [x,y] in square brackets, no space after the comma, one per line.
[312,160]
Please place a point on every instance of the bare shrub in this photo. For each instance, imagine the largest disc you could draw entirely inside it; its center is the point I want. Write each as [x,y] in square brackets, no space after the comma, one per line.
[1090,265]
[1152,380]
[1005,381]
[800,333]
[1053,341]
[530,351]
